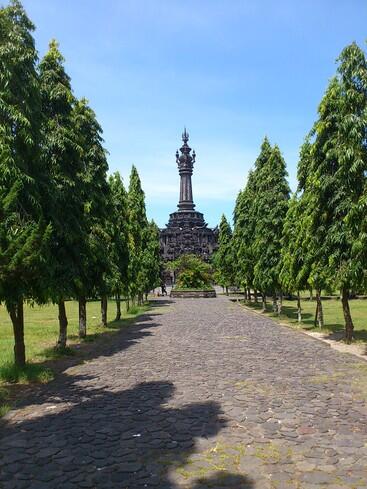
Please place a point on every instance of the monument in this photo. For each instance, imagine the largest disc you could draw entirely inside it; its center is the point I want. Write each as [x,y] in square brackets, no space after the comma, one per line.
[187,231]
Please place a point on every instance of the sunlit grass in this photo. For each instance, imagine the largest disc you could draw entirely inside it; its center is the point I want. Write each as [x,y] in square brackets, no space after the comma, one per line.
[333,315]
[32,372]
[41,328]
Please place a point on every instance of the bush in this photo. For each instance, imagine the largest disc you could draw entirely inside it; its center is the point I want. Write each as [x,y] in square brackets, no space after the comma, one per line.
[192,272]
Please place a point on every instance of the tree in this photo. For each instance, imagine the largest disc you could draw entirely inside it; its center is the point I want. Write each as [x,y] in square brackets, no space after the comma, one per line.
[244,222]
[312,272]
[338,180]
[150,260]
[271,204]
[292,257]
[94,192]
[246,215]
[23,230]
[119,232]
[224,257]
[64,194]
[138,224]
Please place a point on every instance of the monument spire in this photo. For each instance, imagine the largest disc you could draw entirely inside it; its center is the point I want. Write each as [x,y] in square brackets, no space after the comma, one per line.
[185,163]
[186,230]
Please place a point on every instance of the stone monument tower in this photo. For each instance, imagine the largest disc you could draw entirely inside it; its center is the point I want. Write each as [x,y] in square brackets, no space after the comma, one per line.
[187,231]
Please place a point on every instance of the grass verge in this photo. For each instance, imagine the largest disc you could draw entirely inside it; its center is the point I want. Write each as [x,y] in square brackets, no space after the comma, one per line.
[333,316]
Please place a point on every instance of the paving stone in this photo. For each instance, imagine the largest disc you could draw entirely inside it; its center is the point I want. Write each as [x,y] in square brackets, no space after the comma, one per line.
[205,395]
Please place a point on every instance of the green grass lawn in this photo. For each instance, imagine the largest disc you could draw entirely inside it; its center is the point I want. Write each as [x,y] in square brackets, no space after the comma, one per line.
[333,315]
[41,328]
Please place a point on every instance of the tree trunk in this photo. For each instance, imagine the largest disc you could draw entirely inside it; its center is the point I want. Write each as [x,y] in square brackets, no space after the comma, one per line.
[311,295]
[146,297]
[274,303]
[263,297]
[316,313]
[118,308]
[349,327]
[82,317]
[319,311]
[299,309]
[16,314]
[249,294]
[280,303]
[63,325]
[127,304]
[226,290]
[245,294]
[104,310]
[255,296]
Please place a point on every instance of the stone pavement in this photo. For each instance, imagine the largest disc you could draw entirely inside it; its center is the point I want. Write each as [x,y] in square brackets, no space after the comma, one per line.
[197,394]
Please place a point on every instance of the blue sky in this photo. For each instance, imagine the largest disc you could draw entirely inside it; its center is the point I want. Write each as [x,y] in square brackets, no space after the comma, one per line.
[230,70]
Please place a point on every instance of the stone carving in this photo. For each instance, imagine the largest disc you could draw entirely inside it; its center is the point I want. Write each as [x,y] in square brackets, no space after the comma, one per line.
[187,231]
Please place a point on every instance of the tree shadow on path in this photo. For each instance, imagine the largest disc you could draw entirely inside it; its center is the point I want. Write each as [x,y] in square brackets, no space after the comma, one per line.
[129,439]
[127,334]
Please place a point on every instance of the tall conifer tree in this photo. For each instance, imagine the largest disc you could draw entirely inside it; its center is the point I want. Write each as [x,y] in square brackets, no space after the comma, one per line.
[138,224]
[313,271]
[150,260]
[244,223]
[245,219]
[271,204]
[338,178]
[292,253]
[94,191]
[119,250]
[23,232]
[63,155]
[224,256]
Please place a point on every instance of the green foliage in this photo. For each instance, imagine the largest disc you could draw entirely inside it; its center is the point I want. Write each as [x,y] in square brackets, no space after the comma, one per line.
[119,232]
[149,277]
[333,179]
[258,217]
[271,204]
[245,220]
[23,231]
[64,230]
[94,264]
[292,256]
[224,259]
[64,205]
[138,224]
[244,224]
[191,272]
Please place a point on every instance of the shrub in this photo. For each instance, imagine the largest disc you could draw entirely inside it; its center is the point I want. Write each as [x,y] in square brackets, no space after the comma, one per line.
[192,272]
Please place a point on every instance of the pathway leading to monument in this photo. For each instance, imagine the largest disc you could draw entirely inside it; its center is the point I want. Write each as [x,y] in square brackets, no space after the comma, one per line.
[198,394]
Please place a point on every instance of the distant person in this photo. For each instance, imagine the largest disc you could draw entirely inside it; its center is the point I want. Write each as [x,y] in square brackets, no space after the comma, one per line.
[163,287]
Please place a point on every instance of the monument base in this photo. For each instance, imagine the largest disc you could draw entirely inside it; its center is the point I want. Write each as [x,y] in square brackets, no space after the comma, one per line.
[192,294]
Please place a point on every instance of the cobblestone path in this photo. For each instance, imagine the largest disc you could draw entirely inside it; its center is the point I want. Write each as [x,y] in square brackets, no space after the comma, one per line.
[196,394]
